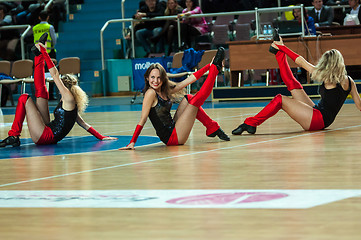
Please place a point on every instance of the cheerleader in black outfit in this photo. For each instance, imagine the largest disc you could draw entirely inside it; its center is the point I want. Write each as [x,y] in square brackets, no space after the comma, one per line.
[73,102]
[157,103]
[335,87]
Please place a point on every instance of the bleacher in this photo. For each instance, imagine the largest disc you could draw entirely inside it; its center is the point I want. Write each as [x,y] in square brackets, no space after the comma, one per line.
[79,37]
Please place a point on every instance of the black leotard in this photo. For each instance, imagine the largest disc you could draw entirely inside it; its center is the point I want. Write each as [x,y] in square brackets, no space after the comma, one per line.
[331,101]
[161,119]
[63,121]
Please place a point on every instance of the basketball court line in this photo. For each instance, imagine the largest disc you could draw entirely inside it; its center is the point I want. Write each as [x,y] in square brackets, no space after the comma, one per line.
[171,157]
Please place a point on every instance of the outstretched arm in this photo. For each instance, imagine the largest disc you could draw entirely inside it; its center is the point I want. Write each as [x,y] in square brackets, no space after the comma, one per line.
[149,98]
[91,130]
[67,96]
[298,59]
[191,79]
[355,95]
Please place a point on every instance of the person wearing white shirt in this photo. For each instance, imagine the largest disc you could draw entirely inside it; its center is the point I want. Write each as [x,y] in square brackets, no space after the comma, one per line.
[355,8]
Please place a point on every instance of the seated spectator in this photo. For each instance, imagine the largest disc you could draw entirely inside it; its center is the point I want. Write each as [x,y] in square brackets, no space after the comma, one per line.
[354,10]
[8,38]
[323,15]
[170,27]
[192,27]
[310,28]
[30,15]
[57,13]
[152,8]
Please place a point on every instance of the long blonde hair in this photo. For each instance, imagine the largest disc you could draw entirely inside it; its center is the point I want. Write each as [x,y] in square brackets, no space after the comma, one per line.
[81,99]
[330,68]
[167,84]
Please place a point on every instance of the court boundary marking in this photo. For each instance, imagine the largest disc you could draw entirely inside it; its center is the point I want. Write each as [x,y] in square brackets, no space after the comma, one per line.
[171,157]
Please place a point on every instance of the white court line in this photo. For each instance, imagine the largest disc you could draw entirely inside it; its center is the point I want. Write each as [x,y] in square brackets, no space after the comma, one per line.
[171,157]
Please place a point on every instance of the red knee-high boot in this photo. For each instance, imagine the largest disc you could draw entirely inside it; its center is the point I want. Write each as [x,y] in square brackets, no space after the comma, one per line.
[212,127]
[201,71]
[202,116]
[19,116]
[288,51]
[201,96]
[39,78]
[47,58]
[285,71]
[268,111]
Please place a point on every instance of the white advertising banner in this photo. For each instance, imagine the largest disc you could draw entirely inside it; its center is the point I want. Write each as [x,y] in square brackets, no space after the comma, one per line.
[246,199]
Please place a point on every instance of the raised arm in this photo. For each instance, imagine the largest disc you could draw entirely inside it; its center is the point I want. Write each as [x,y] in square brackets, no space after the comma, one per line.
[298,59]
[191,79]
[355,95]
[91,130]
[148,101]
[67,96]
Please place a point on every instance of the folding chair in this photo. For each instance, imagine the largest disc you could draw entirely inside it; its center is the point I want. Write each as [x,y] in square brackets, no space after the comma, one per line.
[5,67]
[220,35]
[22,70]
[177,63]
[242,31]
[69,65]
[207,58]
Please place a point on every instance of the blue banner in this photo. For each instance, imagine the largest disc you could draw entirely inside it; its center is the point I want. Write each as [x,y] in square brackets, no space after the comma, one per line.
[140,66]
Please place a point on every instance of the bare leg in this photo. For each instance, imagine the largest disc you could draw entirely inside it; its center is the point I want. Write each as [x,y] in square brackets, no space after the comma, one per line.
[291,82]
[35,121]
[212,127]
[41,92]
[43,107]
[298,111]
[185,122]
[181,107]
[26,107]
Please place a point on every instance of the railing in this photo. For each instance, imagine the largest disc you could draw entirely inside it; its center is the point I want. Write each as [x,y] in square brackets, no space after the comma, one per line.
[256,12]
[175,18]
[27,28]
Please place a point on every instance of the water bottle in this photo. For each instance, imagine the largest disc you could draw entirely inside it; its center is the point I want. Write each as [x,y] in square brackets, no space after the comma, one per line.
[265,30]
[270,30]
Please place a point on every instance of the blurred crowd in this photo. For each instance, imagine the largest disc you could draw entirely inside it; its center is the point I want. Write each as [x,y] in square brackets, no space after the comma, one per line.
[159,37]
[25,13]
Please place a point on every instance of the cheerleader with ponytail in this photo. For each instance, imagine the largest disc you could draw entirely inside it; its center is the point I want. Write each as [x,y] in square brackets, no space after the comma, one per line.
[73,102]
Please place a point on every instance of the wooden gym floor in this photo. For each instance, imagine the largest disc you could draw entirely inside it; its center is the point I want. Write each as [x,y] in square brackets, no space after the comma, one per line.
[281,183]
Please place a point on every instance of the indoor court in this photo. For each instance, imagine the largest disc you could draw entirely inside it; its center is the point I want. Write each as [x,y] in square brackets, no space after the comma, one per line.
[281,183]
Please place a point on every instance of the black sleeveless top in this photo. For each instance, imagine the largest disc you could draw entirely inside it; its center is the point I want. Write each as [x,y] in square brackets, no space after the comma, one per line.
[161,119]
[63,121]
[331,101]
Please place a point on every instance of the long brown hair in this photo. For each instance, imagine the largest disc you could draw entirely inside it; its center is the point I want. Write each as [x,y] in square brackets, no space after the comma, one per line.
[167,85]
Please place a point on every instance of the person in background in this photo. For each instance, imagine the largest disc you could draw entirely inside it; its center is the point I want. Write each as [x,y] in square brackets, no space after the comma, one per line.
[152,8]
[310,28]
[170,27]
[323,15]
[354,9]
[9,39]
[38,30]
[57,13]
[192,27]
